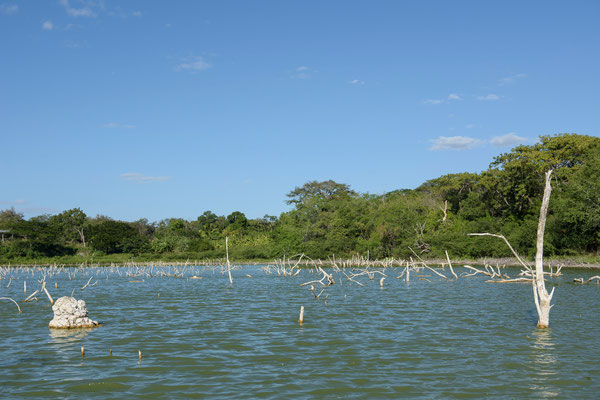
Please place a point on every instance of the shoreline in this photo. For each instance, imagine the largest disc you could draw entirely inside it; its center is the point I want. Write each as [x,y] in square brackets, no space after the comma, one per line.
[349,263]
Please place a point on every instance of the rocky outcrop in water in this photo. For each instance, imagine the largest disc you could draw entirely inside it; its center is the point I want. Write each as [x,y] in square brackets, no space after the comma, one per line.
[71,313]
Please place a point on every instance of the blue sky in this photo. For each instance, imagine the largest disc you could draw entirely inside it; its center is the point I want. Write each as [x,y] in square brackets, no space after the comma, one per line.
[167,109]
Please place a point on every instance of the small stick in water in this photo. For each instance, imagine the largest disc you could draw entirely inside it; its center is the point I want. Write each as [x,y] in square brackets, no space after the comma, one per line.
[48,294]
[110,352]
[140,355]
[82,351]
[24,286]
[301,320]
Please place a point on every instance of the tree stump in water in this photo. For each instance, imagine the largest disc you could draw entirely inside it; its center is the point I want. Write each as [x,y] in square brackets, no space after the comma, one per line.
[71,313]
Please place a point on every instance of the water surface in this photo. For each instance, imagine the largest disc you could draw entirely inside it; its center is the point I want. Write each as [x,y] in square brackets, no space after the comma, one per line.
[200,338]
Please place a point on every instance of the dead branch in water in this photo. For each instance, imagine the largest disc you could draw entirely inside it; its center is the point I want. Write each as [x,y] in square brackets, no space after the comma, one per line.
[228,264]
[326,276]
[450,265]
[427,266]
[17,304]
[31,295]
[515,280]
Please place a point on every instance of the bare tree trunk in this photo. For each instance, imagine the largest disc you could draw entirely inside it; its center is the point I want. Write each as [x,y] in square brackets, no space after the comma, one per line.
[540,294]
[81,236]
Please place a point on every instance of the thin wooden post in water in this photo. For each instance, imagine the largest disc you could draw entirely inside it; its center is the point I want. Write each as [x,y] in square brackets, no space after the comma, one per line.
[301,320]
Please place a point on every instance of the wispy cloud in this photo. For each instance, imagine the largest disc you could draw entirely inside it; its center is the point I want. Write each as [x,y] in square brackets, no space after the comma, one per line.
[454,143]
[86,8]
[37,210]
[507,140]
[510,79]
[489,97]
[117,11]
[47,25]
[356,82]
[9,9]
[115,125]
[74,45]
[470,126]
[192,65]
[141,178]
[451,97]
[13,203]
[433,101]
[302,72]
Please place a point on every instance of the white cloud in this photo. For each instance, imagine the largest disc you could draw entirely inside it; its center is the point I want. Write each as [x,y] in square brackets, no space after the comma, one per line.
[302,72]
[87,9]
[141,178]
[507,140]
[451,97]
[489,97]
[454,143]
[47,25]
[510,79]
[114,125]
[193,65]
[9,9]
[356,82]
[470,126]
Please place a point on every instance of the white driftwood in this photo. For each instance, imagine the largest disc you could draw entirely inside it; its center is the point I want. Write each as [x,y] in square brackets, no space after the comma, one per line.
[17,304]
[450,265]
[228,264]
[88,282]
[31,295]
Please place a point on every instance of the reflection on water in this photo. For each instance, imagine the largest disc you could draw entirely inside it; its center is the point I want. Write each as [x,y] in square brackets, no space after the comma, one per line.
[64,340]
[543,363]
[66,336]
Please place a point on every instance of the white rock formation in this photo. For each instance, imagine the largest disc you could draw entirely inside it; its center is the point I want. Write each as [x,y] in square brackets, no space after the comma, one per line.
[71,313]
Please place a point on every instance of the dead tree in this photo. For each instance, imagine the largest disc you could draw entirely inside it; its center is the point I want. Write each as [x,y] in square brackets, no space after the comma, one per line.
[541,297]
[540,294]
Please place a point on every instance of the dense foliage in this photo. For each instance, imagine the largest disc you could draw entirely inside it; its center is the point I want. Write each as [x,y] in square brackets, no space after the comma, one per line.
[328,218]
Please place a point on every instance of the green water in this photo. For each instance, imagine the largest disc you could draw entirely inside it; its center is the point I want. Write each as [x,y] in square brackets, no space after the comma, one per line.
[200,338]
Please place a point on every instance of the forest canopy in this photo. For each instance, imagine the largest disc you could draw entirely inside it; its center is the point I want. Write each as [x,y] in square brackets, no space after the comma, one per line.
[329,218]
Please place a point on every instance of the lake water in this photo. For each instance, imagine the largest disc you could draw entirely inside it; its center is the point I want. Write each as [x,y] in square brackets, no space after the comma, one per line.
[200,338]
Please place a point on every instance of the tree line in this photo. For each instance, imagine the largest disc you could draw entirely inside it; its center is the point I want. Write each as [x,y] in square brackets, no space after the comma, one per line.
[329,218]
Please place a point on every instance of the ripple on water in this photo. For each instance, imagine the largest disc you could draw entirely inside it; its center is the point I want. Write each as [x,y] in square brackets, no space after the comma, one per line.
[200,339]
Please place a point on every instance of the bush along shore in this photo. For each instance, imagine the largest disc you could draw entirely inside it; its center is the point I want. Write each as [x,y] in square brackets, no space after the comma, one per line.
[329,220]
